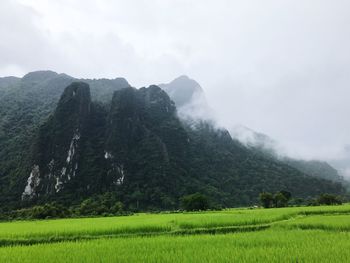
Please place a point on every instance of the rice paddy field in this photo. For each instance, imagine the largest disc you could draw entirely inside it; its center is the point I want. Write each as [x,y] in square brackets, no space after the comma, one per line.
[296,234]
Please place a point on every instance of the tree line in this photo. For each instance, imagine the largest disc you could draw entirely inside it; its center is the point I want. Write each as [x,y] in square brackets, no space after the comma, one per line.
[284,198]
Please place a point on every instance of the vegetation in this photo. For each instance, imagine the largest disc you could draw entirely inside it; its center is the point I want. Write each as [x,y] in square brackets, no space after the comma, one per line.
[284,198]
[127,142]
[99,205]
[195,202]
[293,234]
[329,199]
[280,199]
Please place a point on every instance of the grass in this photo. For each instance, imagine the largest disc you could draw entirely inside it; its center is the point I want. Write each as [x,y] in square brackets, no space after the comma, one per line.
[265,246]
[306,234]
[326,222]
[156,223]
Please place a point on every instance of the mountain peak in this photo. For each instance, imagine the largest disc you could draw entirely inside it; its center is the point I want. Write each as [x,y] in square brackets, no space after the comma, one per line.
[183,78]
[187,82]
[40,75]
[76,100]
[182,90]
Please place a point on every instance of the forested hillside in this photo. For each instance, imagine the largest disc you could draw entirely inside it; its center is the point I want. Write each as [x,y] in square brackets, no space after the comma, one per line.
[64,140]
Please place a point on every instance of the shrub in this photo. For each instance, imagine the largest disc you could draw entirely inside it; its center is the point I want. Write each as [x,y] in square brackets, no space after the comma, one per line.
[266,199]
[329,199]
[195,202]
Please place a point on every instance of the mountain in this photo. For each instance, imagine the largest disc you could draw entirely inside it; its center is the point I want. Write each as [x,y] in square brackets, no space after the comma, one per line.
[133,143]
[53,165]
[25,103]
[316,168]
[343,163]
[183,90]
[8,82]
[255,141]
[190,99]
[266,146]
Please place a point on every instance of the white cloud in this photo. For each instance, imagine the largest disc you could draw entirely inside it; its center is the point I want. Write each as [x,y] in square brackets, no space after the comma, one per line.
[279,67]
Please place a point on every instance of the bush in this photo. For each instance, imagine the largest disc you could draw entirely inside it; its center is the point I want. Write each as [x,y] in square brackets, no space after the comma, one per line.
[280,200]
[49,210]
[266,199]
[106,204]
[329,199]
[195,202]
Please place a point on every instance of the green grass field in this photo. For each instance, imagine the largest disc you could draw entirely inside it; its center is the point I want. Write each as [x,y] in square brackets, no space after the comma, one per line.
[305,234]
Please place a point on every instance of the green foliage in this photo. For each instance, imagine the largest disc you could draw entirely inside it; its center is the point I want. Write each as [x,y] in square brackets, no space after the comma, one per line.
[26,104]
[195,202]
[279,199]
[329,199]
[106,204]
[266,199]
[286,194]
[49,210]
[294,234]
[261,246]
[317,169]
[152,160]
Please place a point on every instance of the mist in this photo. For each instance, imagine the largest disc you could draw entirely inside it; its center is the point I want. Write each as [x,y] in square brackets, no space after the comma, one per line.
[280,68]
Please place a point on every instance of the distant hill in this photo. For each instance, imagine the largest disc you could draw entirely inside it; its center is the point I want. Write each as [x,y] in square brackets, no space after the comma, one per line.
[266,146]
[186,93]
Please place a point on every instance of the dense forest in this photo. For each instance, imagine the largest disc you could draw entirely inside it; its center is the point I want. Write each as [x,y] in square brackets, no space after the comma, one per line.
[67,140]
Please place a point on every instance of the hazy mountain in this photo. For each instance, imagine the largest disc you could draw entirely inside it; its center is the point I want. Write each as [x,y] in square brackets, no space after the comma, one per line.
[7,82]
[190,99]
[132,142]
[343,163]
[268,147]
[183,90]
[255,140]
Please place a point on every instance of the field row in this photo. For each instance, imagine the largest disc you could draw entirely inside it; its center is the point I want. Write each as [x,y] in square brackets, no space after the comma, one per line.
[305,234]
[264,246]
[233,220]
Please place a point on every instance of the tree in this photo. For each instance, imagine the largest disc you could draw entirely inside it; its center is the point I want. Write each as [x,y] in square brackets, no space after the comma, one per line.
[329,199]
[287,195]
[280,200]
[195,202]
[297,201]
[117,208]
[266,199]
[88,207]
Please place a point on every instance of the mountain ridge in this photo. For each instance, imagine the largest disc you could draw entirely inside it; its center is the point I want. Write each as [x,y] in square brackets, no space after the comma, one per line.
[132,143]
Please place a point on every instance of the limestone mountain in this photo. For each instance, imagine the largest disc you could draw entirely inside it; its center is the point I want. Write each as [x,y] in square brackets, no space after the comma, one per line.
[25,104]
[54,165]
[65,140]
[182,90]
[190,99]
[138,148]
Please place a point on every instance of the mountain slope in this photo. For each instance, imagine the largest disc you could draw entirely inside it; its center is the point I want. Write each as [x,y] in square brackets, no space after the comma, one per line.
[25,103]
[190,99]
[141,151]
[68,144]
[53,165]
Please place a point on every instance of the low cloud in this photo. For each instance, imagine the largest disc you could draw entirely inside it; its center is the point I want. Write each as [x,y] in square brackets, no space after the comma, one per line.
[278,67]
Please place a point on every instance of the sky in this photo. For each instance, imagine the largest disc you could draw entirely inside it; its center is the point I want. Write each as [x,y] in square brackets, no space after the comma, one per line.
[278,67]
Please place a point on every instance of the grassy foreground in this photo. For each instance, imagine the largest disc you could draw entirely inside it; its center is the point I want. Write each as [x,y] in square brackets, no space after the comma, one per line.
[306,234]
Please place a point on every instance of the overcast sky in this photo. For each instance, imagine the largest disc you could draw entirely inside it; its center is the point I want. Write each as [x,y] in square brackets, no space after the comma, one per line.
[278,67]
